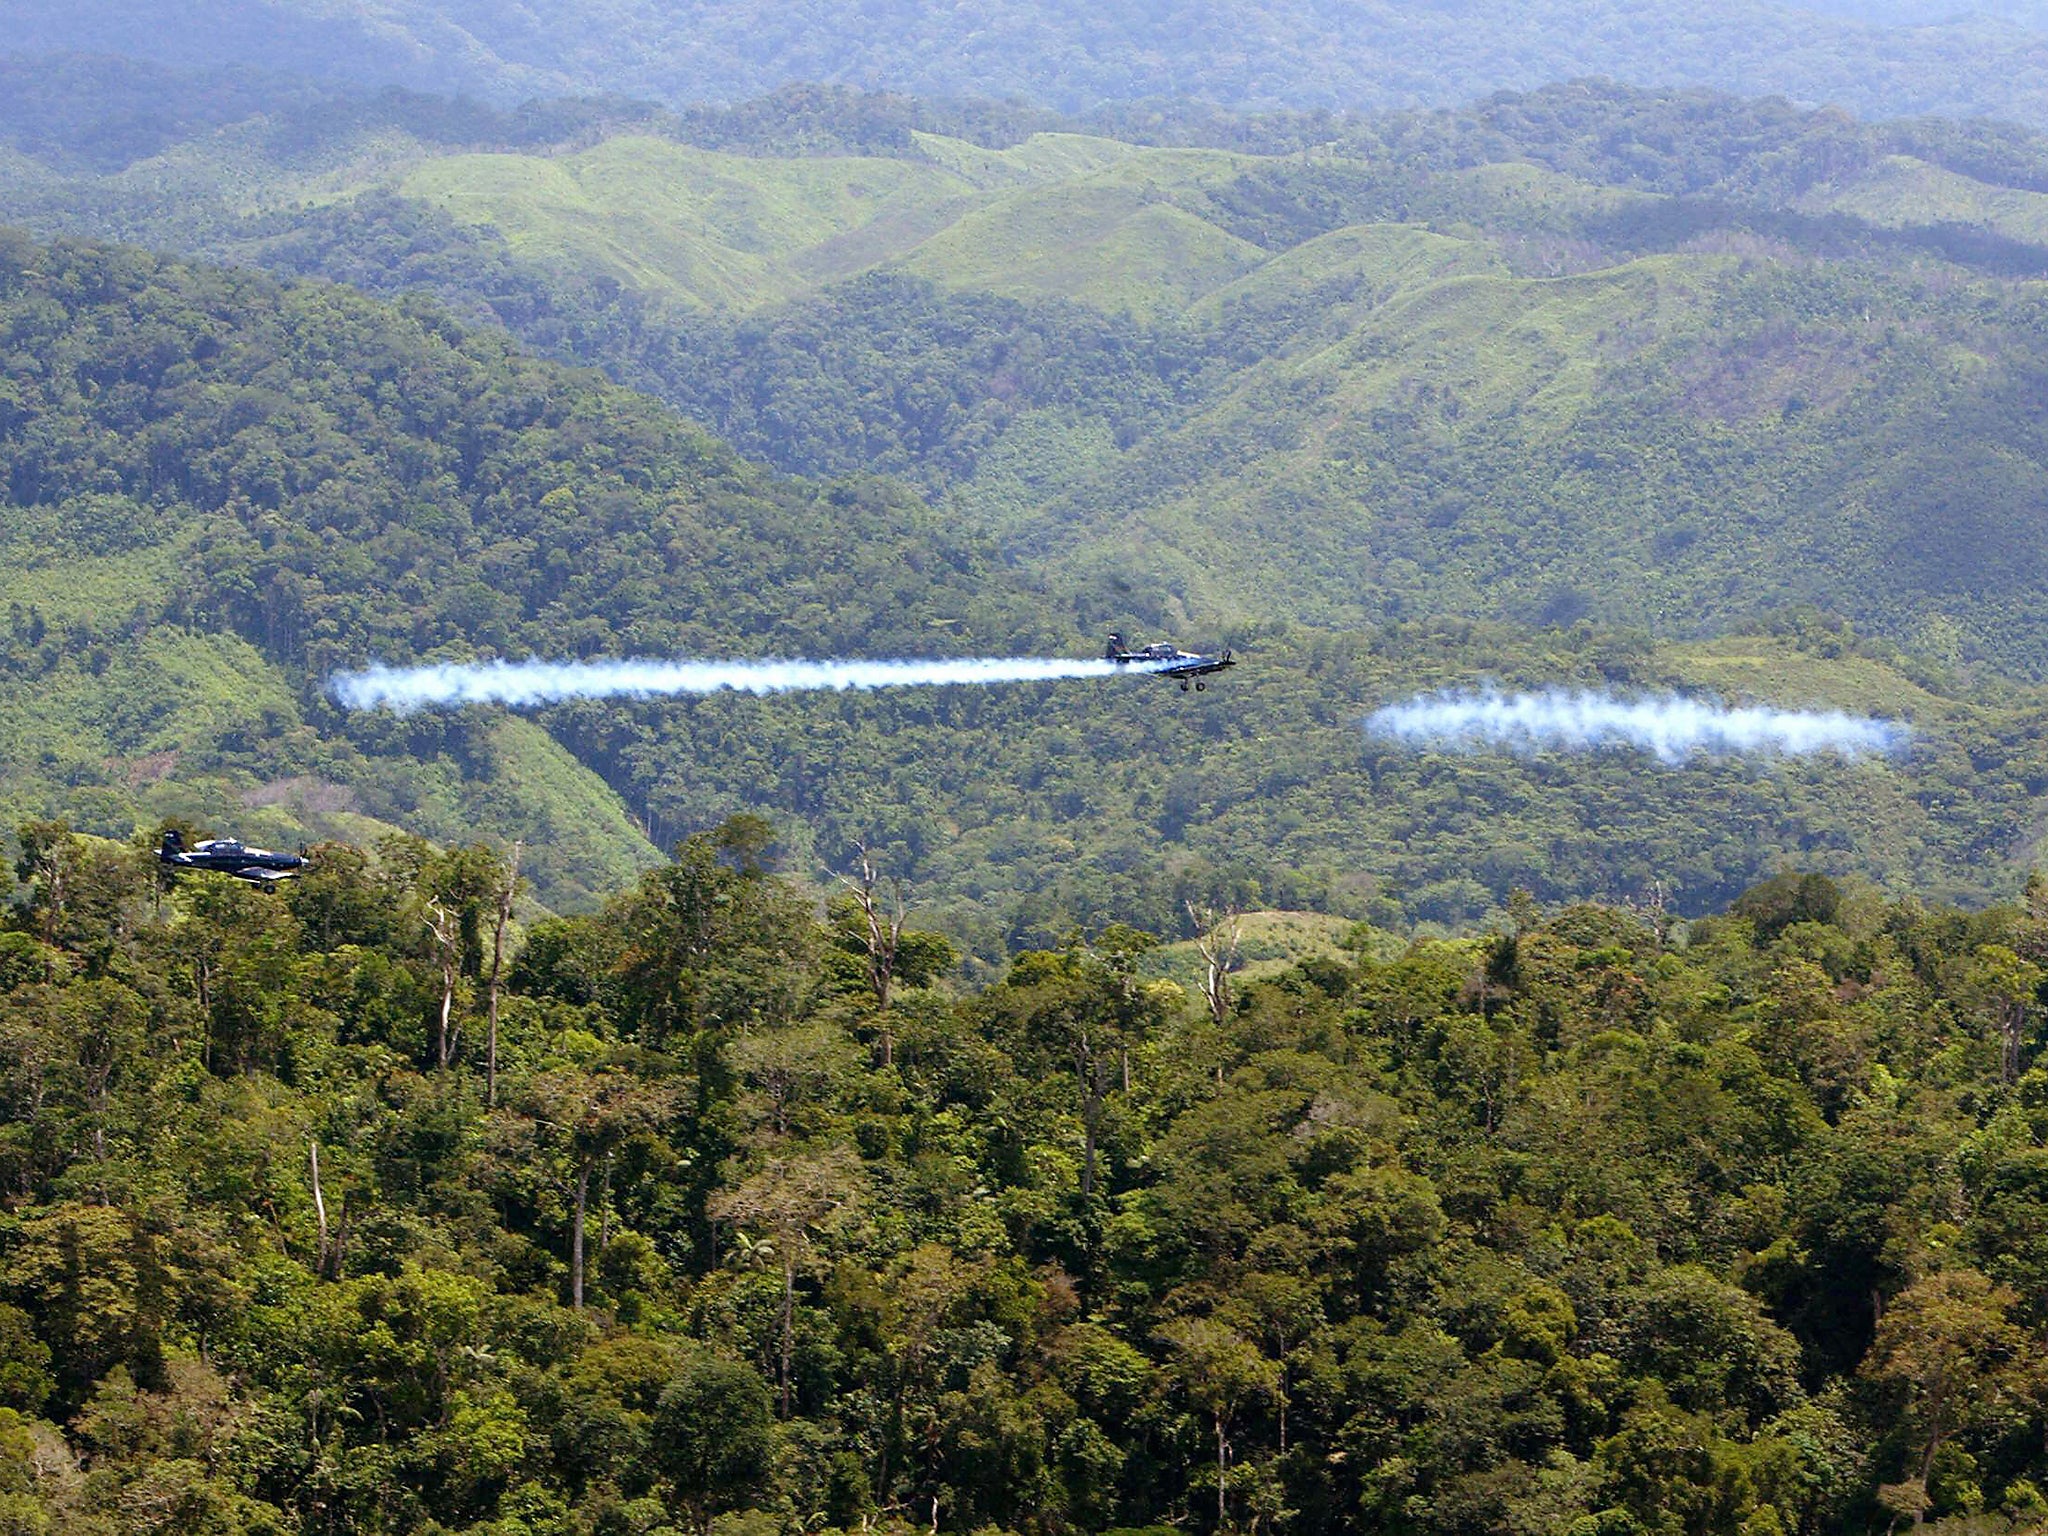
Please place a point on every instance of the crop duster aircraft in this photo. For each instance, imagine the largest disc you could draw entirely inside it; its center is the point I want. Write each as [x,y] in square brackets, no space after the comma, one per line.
[1168,661]
[224,855]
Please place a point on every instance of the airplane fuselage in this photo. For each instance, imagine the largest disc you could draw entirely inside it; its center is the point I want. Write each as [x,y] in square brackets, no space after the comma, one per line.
[228,856]
[1166,660]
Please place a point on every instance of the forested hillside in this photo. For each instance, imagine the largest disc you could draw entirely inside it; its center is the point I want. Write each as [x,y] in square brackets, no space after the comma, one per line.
[219,488]
[1572,365]
[323,1213]
[1646,358]
[1888,58]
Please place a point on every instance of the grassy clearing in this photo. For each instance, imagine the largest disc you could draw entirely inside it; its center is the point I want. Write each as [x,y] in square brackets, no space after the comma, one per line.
[729,231]
[1748,667]
[1519,184]
[1106,246]
[1900,192]
[1061,215]
[1044,157]
[584,846]
[67,588]
[1356,268]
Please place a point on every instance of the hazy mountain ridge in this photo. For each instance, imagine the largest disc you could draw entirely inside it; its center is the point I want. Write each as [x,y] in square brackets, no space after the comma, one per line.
[1256,53]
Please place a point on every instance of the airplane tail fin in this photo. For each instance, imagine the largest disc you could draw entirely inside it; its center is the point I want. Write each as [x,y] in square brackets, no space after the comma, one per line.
[173,844]
[1116,648]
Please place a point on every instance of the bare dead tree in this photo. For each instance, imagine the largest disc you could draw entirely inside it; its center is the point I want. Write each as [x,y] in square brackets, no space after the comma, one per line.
[319,1210]
[506,892]
[884,934]
[202,991]
[447,931]
[1218,936]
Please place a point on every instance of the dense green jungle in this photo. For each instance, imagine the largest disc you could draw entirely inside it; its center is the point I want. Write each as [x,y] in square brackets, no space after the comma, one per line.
[712,1210]
[1063,1107]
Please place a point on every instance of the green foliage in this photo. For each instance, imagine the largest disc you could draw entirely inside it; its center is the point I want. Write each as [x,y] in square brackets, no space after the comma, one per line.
[1559,1230]
[713,1426]
[1286,369]
[221,657]
[1561,362]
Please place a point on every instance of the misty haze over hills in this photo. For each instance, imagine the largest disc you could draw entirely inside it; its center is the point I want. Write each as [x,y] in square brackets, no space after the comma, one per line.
[1887,58]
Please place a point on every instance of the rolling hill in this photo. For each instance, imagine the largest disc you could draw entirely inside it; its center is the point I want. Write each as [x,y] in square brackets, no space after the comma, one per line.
[1512,364]
[220,488]
[1507,394]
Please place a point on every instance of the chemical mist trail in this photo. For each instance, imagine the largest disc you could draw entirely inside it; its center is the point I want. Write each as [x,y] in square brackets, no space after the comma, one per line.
[517,683]
[1670,727]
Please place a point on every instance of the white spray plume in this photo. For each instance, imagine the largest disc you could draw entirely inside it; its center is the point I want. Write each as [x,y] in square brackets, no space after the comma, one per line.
[405,689]
[1670,727]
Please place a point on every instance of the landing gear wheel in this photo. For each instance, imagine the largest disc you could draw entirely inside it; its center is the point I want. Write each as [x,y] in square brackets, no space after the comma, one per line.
[1183,687]
[1201,687]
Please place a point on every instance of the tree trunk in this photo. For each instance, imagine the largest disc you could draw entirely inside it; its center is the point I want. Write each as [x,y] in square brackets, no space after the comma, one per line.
[1090,1113]
[1934,1439]
[505,895]
[53,915]
[448,951]
[1089,1072]
[788,1318]
[1222,1483]
[447,1007]
[881,973]
[202,983]
[319,1210]
[576,1239]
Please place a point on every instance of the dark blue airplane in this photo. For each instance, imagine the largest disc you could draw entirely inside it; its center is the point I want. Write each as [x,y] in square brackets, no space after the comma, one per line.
[224,855]
[1168,661]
